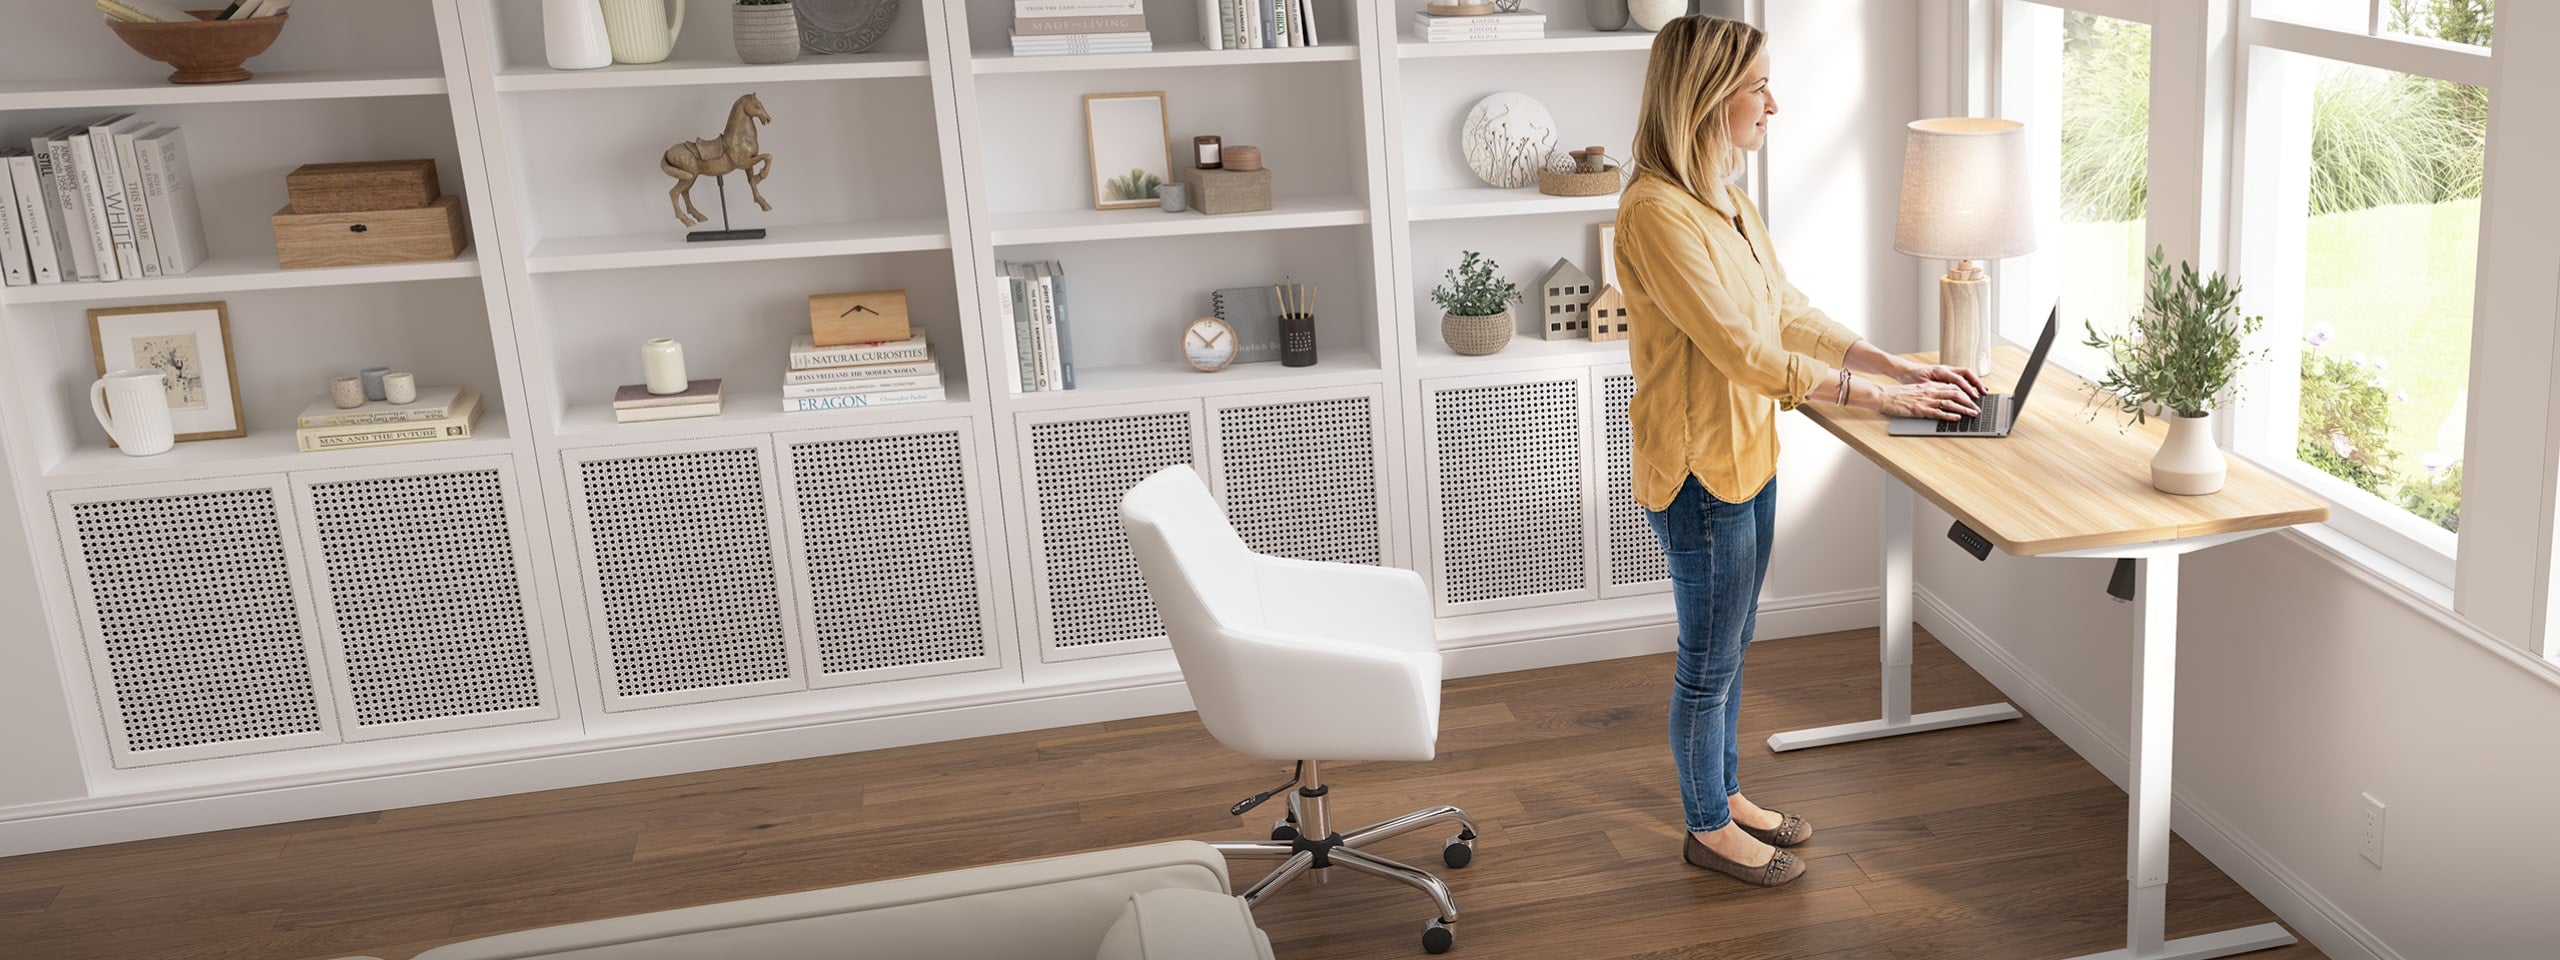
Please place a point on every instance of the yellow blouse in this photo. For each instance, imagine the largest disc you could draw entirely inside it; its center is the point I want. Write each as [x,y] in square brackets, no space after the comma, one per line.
[1720,341]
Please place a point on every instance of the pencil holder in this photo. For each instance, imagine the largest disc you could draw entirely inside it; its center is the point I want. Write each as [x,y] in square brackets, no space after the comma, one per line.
[1298,340]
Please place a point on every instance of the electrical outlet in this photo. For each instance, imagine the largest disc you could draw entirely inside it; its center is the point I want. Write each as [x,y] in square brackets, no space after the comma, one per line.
[2372,844]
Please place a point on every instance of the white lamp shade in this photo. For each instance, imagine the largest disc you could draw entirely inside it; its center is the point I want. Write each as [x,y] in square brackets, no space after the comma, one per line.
[1964,191]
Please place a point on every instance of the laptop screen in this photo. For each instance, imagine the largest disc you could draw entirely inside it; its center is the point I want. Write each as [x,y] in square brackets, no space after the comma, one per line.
[2027,379]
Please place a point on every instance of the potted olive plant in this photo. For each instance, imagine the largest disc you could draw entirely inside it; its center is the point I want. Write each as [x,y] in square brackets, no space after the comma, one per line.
[1476,306]
[766,31]
[2177,358]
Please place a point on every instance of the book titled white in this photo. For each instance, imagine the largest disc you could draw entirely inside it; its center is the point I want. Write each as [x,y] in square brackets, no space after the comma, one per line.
[852,400]
[169,189]
[807,355]
[35,212]
[117,207]
[433,403]
[82,263]
[93,207]
[1027,9]
[868,371]
[13,240]
[137,208]
[842,388]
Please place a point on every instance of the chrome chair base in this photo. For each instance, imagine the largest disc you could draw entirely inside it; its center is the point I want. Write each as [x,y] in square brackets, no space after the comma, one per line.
[1306,845]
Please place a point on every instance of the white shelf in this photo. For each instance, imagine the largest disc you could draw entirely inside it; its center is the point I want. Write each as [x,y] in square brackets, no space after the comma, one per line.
[668,73]
[1176,380]
[280,85]
[1177,54]
[1470,202]
[1286,213]
[748,413]
[1524,352]
[235,274]
[780,243]
[1556,41]
[269,448]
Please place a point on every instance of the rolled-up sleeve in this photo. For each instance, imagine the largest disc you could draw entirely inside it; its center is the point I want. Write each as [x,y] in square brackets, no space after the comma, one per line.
[1810,331]
[1670,258]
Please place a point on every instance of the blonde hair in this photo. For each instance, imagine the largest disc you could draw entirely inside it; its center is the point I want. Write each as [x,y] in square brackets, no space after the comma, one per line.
[1698,63]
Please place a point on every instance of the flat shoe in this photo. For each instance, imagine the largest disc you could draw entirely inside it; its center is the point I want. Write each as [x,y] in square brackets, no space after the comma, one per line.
[1791,830]
[1782,866]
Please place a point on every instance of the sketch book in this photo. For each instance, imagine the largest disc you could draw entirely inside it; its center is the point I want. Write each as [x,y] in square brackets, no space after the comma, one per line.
[1255,316]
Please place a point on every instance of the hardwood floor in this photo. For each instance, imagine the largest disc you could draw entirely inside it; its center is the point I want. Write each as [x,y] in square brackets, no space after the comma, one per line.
[1981,843]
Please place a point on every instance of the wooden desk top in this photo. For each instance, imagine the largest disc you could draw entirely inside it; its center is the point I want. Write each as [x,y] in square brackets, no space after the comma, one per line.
[2062,482]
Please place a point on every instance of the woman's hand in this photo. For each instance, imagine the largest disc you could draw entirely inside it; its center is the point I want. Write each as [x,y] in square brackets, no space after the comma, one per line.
[1910,372]
[1929,399]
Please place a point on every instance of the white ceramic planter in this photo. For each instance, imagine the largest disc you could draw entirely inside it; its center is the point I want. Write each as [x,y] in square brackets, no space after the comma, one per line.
[766,32]
[2189,464]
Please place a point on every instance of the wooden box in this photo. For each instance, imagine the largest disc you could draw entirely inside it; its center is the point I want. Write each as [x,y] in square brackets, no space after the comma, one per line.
[1228,191]
[867,316]
[352,187]
[437,231]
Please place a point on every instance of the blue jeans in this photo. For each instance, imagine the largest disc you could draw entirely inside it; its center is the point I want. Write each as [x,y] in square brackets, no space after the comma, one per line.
[1718,553]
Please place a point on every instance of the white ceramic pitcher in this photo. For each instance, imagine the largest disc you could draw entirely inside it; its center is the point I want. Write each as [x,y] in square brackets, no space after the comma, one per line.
[573,36]
[140,401]
[641,30]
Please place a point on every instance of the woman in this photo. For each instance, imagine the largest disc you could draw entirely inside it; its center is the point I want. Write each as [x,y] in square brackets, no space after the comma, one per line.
[1721,343]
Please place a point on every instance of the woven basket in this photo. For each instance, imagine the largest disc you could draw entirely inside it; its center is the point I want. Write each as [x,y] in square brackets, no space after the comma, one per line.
[1476,336]
[1578,184]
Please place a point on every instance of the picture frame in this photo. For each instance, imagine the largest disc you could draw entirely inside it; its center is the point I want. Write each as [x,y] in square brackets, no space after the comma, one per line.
[1129,143]
[1608,272]
[189,341]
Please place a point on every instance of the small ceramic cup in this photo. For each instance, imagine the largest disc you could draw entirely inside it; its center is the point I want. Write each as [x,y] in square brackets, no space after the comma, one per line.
[1171,196]
[373,381]
[400,387]
[346,392]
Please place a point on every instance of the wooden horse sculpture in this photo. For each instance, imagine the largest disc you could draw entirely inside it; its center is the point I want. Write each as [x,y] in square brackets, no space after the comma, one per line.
[733,150]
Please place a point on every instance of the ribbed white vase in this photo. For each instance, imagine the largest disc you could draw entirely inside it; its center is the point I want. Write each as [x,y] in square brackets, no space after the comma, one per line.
[2189,464]
[641,30]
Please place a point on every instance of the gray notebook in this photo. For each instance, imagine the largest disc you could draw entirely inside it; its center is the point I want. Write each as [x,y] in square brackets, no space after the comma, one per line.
[1255,316]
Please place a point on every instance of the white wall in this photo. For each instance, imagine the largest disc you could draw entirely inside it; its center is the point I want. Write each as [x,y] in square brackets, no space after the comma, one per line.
[39,760]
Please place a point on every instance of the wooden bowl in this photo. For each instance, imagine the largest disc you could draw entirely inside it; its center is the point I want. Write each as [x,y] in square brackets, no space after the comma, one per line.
[209,51]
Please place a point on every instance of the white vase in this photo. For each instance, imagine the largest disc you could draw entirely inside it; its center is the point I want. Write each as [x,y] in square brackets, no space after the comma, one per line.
[642,31]
[765,32]
[573,35]
[1652,14]
[662,366]
[139,401]
[2189,464]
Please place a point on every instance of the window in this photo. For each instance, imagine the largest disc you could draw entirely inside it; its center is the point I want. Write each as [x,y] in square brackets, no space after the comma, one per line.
[2081,83]
[2452,22]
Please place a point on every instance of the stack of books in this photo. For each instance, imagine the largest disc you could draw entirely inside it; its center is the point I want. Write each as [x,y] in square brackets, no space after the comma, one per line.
[1041,352]
[109,200]
[860,374]
[632,402]
[1257,24]
[1052,27]
[1524,25]
[439,413]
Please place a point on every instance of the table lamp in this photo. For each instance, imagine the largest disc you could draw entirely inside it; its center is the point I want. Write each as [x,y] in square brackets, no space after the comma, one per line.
[1964,199]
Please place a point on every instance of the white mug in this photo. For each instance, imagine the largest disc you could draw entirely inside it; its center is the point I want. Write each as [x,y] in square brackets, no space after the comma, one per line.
[641,30]
[141,425]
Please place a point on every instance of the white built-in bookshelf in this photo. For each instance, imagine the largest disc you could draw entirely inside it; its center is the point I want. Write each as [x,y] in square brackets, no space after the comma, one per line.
[967,532]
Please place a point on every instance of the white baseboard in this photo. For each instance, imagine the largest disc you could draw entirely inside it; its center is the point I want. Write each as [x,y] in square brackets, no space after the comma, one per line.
[2314,916]
[1533,640]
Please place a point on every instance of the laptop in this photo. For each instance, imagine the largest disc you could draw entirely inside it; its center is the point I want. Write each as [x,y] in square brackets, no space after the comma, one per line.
[1999,411]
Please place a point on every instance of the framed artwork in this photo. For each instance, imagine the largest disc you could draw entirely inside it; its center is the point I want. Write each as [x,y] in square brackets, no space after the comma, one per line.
[1131,145]
[1608,272]
[191,342]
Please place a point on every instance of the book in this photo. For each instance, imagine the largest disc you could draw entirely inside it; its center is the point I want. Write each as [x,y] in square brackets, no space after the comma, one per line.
[110,185]
[169,188]
[843,388]
[433,403]
[1250,312]
[867,371]
[74,204]
[852,400]
[673,411]
[1035,344]
[1066,331]
[93,207]
[1044,326]
[807,355]
[1490,19]
[35,213]
[137,208]
[1061,26]
[454,426]
[1027,9]
[1445,35]
[636,396]
[49,187]
[1083,43]
[1012,346]
[13,238]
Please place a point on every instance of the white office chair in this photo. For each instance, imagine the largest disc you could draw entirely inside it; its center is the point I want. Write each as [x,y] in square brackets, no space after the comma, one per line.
[1298,660]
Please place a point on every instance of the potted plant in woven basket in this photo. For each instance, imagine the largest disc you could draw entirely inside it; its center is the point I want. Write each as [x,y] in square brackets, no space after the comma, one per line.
[1476,306]
[766,31]
[2176,358]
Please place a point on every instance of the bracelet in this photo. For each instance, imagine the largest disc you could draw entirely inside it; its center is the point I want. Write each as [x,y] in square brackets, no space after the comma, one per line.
[1845,378]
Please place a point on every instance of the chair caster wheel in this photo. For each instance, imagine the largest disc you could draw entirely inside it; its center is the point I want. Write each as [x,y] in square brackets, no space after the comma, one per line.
[1285,830]
[1459,852]
[1436,937]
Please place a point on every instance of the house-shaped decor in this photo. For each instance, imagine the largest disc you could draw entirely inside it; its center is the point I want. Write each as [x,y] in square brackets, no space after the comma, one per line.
[1609,315]
[1567,291]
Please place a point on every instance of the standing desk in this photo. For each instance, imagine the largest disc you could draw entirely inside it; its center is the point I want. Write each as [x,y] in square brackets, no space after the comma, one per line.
[2063,485]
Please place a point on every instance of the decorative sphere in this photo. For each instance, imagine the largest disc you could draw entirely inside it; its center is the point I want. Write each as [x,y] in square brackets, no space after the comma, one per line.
[1559,161]
[1506,139]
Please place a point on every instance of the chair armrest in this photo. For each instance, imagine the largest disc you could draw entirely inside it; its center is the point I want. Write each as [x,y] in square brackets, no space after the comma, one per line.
[1388,606]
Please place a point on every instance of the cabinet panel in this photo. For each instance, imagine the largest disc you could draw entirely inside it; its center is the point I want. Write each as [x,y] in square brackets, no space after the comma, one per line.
[1089,597]
[1632,555]
[891,558]
[1509,491]
[1303,475]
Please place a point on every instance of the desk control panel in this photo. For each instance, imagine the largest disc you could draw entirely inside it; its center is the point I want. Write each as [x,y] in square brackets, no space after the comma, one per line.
[1973,543]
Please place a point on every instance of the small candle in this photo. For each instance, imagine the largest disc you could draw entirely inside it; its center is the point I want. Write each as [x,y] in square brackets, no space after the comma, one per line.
[400,387]
[1206,149]
[346,392]
[373,381]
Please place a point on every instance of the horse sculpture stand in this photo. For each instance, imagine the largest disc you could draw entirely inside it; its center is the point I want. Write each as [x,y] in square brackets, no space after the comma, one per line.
[733,150]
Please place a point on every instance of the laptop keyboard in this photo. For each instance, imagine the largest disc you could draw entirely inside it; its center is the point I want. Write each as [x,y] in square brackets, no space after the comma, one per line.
[1988,421]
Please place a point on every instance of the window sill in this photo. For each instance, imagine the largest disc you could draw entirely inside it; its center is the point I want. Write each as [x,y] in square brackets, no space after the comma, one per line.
[2414,590]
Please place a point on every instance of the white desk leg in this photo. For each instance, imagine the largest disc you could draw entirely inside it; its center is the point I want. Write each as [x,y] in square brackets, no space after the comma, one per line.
[1895,630]
[2155,682]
